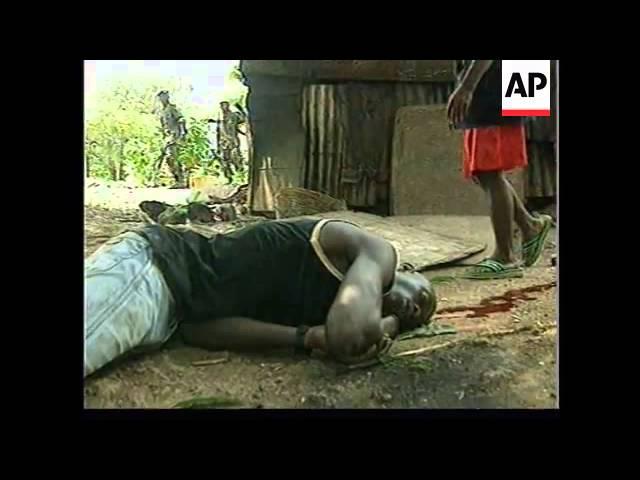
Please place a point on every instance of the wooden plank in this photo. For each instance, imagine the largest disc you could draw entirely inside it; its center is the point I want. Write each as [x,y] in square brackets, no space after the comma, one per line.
[426,162]
[417,246]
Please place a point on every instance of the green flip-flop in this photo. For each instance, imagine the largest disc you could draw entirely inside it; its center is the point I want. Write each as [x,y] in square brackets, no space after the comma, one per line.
[532,250]
[489,269]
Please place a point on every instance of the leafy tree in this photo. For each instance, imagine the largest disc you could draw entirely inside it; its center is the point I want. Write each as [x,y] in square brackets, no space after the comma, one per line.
[123,137]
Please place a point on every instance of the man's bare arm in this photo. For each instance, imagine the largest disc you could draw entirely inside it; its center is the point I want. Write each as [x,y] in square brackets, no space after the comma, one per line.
[460,99]
[239,333]
[316,338]
[354,322]
[475,73]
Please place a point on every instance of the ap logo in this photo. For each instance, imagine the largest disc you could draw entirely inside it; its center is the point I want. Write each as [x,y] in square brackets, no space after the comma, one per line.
[526,88]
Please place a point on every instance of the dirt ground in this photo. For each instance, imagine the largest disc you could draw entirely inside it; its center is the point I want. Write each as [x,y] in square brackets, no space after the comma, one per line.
[502,356]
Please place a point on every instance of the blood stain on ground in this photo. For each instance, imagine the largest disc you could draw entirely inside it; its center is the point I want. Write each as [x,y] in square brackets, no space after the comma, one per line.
[499,303]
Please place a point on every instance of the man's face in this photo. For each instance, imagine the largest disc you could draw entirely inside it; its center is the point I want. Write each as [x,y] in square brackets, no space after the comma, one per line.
[224,106]
[412,299]
[164,98]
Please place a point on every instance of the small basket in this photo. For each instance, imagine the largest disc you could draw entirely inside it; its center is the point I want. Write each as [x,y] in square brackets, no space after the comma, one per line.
[297,202]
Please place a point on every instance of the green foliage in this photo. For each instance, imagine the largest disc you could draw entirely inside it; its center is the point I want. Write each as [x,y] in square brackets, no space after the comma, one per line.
[195,148]
[430,330]
[443,279]
[196,197]
[241,178]
[123,136]
[235,92]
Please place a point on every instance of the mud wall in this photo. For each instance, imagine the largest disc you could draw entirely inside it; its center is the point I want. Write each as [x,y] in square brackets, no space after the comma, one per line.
[354,70]
[349,128]
[278,138]
[297,142]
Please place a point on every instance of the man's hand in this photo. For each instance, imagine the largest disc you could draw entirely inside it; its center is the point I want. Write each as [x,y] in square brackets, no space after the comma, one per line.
[461,98]
[316,338]
[458,105]
[354,319]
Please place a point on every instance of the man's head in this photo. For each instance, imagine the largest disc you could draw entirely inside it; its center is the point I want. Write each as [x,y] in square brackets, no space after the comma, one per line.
[224,106]
[412,299]
[163,96]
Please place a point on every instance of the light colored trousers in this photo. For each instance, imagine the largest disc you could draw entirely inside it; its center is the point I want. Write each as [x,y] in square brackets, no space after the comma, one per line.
[128,305]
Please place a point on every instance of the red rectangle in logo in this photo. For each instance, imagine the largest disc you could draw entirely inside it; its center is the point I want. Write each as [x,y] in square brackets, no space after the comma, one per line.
[526,113]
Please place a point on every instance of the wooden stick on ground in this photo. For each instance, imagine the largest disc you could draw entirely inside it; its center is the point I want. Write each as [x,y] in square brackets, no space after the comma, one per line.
[204,363]
[425,349]
[461,314]
[357,366]
[418,351]
[496,333]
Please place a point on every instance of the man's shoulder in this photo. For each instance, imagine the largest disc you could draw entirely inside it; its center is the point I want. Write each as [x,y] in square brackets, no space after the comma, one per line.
[171,108]
[340,233]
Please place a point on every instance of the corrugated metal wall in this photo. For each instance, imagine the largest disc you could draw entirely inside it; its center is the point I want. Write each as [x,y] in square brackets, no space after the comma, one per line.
[541,151]
[349,129]
[349,133]
[541,148]
[324,120]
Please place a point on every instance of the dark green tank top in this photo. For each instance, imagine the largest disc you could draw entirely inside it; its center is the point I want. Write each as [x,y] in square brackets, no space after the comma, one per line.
[486,104]
[269,271]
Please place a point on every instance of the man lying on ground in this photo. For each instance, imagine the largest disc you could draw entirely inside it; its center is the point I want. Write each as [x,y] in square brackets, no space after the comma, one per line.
[305,284]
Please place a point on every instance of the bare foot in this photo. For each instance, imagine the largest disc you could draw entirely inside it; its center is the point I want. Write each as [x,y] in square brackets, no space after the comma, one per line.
[534,229]
[504,259]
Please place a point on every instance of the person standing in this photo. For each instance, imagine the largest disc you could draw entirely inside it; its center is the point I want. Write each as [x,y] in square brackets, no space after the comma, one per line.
[493,145]
[174,130]
[228,139]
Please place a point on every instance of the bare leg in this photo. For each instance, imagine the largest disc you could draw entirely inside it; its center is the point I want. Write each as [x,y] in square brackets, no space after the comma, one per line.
[237,156]
[529,225]
[174,165]
[158,166]
[227,163]
[501,198]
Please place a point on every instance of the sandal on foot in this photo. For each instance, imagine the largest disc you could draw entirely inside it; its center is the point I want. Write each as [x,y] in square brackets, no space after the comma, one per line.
[489,269]
[532,250]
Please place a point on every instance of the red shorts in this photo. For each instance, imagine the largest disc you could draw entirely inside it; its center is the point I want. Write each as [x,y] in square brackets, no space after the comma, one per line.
[493,149]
